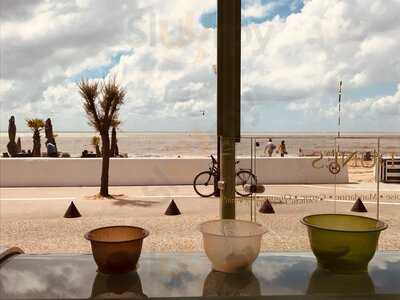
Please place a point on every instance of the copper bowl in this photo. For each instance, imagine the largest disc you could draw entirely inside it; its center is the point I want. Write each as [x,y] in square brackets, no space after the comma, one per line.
[116,249]
[121,286]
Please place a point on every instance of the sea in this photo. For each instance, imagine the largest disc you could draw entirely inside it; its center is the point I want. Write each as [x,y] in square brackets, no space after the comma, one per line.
[200,144]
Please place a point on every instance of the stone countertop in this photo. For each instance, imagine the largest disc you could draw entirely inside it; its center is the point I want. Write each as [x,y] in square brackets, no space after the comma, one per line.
[184,275]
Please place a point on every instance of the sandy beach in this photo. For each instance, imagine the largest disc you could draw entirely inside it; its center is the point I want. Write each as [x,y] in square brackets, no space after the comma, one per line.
[32,218]
[200,144]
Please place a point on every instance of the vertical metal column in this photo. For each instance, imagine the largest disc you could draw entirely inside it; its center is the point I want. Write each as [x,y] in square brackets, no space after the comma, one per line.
[217,192]
[335,157]
[254,171]
[228,176]
[340,107]
[378,179]
[251,168]
[228,98]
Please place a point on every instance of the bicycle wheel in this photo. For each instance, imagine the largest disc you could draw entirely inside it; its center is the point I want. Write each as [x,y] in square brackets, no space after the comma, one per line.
[243,178]
[203,184]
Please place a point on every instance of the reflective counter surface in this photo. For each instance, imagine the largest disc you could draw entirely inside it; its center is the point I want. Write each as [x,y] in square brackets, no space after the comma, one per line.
[180,275]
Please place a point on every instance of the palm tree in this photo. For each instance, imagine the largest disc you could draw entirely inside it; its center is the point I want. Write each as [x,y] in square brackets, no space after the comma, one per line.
[102,101]
[96,144]
[36,125]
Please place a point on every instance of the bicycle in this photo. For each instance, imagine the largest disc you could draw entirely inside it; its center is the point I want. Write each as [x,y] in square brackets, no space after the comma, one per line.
[203,183]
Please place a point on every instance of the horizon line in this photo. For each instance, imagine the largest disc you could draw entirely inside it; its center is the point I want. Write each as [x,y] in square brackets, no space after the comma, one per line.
[244,132]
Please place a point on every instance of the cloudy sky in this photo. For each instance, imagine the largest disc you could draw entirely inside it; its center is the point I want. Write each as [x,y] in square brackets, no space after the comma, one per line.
[294,54]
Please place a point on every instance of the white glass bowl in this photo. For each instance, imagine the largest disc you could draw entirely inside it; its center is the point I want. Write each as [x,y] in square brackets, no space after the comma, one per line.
[232,245]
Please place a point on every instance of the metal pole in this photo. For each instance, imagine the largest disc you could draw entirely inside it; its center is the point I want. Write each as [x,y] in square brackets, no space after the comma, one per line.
[251,154]
[217,192]
[228,98]
[254,169]
[340,103]
[335,157]
[254,172]
[251,167]
[378,179]
[228,175]
[217,177]
[337,146]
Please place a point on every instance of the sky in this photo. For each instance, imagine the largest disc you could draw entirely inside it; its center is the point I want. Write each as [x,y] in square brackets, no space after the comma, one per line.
[294,53]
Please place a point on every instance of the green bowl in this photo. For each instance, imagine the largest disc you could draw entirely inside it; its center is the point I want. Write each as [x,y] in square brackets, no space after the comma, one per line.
[323,282]
[343,244]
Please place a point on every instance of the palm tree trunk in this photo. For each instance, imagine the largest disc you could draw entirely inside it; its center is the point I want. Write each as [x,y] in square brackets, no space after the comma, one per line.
[105,165]
[36,144]
[98,152]
[113,142]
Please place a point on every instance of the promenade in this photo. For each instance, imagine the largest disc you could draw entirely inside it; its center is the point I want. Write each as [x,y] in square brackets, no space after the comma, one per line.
[32,218]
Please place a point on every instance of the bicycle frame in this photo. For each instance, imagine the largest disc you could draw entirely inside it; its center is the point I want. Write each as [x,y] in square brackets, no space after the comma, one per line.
[213,172]
[214,167]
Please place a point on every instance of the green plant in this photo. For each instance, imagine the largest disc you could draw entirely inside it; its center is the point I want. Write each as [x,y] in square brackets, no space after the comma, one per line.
[95,141]
[96,144]
[101,102]
[36,125]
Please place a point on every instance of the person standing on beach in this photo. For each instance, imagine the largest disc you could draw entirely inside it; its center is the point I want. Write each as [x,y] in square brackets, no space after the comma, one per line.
[269,148]
[282,149]
[51,149]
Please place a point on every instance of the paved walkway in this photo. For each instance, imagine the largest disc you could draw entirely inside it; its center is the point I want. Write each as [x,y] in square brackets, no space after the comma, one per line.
[72,193]
[32,218]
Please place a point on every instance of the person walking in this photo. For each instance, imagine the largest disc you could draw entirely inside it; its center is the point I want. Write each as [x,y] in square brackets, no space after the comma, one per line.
[282,149]
[269,148]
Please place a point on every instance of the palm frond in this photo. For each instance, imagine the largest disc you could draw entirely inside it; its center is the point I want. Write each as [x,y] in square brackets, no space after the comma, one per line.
[35,124]
[89,92]
[95,140]
[101,102]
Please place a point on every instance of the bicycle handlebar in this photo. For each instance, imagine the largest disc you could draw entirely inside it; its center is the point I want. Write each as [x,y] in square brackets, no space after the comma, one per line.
[214,161]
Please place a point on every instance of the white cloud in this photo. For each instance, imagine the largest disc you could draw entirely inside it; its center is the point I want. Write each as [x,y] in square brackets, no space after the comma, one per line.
[5,87]
[301,59]
[84,35]
[261,9]
[167,67]
[368,108]
[311,51]
[387,105]
[256,9]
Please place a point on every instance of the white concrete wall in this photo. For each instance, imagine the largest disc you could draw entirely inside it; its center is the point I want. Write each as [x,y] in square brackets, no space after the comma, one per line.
[33,172]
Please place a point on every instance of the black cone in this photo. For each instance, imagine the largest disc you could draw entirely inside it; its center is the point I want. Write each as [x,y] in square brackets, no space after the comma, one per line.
[72,211]
[267,208]
[172,209]
[359,206]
